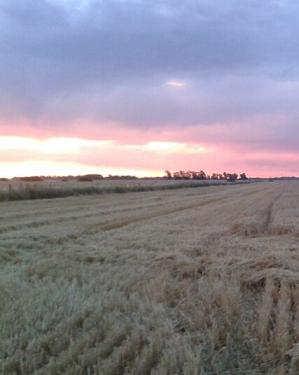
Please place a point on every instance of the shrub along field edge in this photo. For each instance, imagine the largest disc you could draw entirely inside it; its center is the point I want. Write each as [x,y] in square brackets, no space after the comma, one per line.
[28,191]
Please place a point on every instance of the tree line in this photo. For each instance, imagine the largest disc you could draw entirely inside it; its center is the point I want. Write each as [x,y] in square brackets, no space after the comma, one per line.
[201,175]
[179,175]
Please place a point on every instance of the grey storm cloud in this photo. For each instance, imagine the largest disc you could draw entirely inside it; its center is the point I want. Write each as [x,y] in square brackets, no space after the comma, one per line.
[109,60]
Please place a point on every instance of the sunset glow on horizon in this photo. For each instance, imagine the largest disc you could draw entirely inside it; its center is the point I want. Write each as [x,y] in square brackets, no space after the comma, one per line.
[57,156]
[131,87]
[52,156]
[52,169]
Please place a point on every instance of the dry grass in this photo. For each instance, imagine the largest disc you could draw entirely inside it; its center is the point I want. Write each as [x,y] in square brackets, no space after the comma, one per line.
[19,190]
[189,281]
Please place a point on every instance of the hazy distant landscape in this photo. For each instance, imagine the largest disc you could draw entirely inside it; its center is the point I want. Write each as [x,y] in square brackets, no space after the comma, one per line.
[185,281]
[46,187]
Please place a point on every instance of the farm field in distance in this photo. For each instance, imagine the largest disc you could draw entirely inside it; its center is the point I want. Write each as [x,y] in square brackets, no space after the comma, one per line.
[19,190]
[187,281]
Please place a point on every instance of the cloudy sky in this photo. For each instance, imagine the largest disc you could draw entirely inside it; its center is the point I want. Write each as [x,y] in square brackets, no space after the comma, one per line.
[137,86]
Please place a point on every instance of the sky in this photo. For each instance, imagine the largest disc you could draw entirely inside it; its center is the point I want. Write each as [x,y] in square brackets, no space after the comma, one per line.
[138,87]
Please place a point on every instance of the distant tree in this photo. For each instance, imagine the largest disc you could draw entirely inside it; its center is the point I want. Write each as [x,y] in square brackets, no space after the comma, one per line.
[182,175]
[202,175]
[168,175]
[31,179]
[197,175]
[117,177]
[176,175]
[90,177]
[231,177]
[187,175]
[243,176]
[84,179]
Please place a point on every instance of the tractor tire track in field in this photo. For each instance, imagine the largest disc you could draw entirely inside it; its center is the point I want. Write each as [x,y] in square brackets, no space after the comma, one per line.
[138,219]
[269,214]
[144,217]
[73,218]
[262,228]
[126,221]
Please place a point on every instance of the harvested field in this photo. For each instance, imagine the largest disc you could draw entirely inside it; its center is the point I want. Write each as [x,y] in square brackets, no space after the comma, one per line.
[186,281]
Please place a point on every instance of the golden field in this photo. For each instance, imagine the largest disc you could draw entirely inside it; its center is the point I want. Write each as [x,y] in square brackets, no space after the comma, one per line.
[185,281]
[46,189]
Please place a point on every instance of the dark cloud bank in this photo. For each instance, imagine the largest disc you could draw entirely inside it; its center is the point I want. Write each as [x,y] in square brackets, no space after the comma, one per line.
[103,61]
